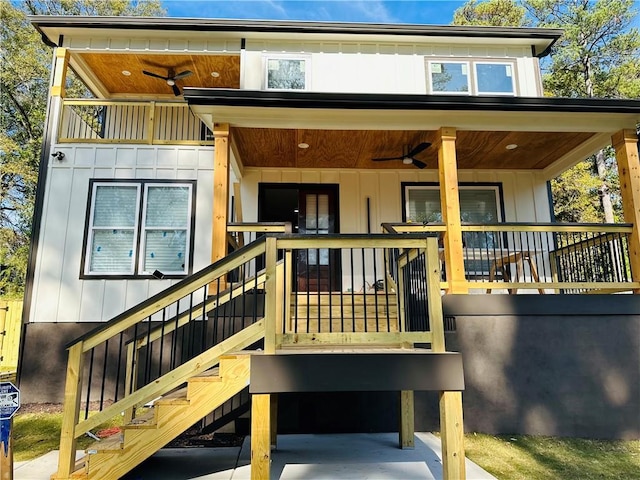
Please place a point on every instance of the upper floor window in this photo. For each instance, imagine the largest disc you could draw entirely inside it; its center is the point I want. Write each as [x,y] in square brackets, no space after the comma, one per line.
[286,73]
[137,227]
[472,77]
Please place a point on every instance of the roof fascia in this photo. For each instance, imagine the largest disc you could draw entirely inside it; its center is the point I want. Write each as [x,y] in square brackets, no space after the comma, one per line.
[541,39]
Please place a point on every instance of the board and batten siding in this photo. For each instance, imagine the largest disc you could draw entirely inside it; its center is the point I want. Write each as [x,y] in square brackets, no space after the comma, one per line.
[59,295]
[370,67]
[525,197]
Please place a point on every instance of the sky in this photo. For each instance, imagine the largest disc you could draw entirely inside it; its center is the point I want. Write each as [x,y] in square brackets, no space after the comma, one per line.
[371,11]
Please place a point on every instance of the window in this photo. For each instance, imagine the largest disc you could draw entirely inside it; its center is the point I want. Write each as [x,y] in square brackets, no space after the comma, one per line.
[472,77]
[450,77]
[286,73]
[135,228]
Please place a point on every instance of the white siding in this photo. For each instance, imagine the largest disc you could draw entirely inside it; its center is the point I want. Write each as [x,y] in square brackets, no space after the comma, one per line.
[59,294]
[380,67]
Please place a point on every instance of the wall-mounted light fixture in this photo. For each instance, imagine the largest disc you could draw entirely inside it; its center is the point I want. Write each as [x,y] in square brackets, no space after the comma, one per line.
[58,155]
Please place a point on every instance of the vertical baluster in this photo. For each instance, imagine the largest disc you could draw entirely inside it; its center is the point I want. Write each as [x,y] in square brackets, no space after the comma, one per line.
[89,381]
[164,318]
[118,368]
[104,373]
[375,291]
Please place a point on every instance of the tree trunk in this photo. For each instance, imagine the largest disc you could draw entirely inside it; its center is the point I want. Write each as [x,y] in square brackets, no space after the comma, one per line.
[605,195]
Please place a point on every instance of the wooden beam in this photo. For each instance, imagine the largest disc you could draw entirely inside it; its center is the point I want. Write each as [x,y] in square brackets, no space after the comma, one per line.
[407,420]
[625,144]
[220,194]
[452,436]
[450,204]
[260,436]
[434,300]
[60,72]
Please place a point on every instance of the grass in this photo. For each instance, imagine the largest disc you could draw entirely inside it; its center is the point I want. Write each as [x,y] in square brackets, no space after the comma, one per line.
[35,434]
[515,457]
[510,457]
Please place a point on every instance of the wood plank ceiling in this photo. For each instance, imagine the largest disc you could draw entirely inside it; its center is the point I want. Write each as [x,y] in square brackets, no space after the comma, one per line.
[260,147]
[108,68]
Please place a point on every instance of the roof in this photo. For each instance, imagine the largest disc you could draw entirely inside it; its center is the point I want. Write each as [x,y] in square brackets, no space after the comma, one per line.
[51,27]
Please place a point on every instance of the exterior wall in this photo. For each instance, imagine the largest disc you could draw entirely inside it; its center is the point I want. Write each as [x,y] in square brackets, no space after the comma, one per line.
[59,295]
[370,67]
[525,192]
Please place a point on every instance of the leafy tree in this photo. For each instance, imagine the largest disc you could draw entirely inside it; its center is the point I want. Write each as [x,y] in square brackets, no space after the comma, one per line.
[497,13]
[596,57]
[25,64]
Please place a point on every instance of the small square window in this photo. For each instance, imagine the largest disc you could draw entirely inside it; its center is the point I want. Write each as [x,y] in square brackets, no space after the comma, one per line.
[286,74]
[450,77]
[495,78]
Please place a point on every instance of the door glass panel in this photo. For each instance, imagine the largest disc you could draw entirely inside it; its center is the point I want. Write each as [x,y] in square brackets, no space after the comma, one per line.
[317,223]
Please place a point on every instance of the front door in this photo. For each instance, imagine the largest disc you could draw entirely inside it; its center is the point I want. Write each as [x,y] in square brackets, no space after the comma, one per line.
[312,209]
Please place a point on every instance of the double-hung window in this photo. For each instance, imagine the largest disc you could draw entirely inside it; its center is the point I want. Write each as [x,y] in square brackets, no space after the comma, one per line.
[286,72]
[135,228]
[471,77]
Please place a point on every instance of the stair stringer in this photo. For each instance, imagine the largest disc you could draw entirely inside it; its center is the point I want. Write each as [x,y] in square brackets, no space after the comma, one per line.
[171,419]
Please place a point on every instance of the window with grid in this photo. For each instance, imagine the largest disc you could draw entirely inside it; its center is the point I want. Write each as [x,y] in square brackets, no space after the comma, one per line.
[137,228]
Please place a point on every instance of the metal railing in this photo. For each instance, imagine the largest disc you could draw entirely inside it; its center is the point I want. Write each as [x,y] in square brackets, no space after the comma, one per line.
[542,257]
[101,121]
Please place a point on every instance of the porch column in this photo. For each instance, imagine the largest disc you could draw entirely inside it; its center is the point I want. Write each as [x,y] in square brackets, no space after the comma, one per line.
[260,436]
[450,204]
[625,143]
[60,73]
[220,193]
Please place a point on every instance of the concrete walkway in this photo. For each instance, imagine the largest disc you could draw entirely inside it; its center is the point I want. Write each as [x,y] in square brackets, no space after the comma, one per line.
[299,457]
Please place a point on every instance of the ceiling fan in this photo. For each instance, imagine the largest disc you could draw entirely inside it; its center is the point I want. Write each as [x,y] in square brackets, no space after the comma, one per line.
[171,78]
[407,158]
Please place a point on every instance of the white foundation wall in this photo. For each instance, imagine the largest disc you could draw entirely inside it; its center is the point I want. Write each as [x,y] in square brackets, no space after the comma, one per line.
[369,67]
[59,295]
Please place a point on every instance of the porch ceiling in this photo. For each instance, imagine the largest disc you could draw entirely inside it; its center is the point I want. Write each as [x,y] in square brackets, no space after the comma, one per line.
[103,71]
[275,147]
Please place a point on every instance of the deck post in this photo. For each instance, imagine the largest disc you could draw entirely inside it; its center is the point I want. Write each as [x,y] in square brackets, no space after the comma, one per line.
[220,195]
[625,144]
[407,420]
[450,205]
[71,413]
[271,296]
[60,73]
[452,436]
[260,436]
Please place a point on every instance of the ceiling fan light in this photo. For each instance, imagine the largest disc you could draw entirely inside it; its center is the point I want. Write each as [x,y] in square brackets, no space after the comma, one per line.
[407,161]
[171,82]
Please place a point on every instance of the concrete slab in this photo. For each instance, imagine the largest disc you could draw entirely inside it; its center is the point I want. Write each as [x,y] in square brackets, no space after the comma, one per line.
[309,457]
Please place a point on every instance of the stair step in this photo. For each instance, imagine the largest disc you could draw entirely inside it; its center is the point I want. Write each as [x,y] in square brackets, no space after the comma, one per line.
[107,444]
[146,420]
[212,375]
[177,397]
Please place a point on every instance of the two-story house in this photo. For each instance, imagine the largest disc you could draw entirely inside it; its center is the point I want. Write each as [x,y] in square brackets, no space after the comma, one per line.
[310,187]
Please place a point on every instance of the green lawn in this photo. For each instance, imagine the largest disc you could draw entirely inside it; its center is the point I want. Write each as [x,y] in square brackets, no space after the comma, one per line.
[515,457]
[508,457]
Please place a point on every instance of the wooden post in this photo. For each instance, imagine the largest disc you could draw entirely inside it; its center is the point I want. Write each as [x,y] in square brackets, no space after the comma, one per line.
[60,73]
[407,420]
[450,204]
[452,436]
[260,436]
[70,413]
[434,300]
[220,194]
[271,296]
[625,143]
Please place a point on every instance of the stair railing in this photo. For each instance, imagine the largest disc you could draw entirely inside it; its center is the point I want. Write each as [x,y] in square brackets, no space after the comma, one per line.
[157,345]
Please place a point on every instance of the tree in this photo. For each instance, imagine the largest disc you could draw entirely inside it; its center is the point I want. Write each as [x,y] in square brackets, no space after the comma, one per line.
[497,13]
[596,57]
[25,64]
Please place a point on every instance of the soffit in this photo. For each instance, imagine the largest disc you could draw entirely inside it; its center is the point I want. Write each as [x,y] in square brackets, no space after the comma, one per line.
[262,147]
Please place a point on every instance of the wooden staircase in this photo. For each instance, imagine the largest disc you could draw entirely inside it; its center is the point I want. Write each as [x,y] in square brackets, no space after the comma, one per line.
[171,415]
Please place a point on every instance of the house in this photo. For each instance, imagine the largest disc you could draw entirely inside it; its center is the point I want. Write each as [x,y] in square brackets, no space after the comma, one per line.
[302,185]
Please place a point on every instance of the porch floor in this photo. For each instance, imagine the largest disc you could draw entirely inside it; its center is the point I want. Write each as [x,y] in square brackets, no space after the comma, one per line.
[329,456]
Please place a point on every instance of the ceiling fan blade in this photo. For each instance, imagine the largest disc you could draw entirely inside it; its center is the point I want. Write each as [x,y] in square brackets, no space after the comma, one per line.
[419,148]
[184,74]
[418,163]
[155,75]
[176,90]
[387,158]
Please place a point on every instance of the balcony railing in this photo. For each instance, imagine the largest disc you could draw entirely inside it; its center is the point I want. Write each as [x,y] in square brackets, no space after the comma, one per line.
[157,123]
[542,257]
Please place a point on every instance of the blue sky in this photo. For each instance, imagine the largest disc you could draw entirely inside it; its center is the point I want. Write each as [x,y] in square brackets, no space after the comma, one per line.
[374,11]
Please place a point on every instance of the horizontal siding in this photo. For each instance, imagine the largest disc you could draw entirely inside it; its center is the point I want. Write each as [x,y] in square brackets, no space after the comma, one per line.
[59,295]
